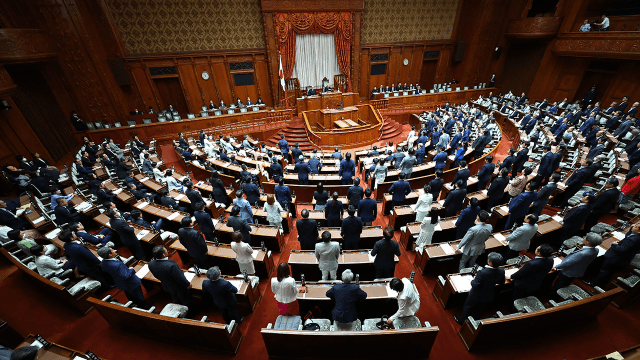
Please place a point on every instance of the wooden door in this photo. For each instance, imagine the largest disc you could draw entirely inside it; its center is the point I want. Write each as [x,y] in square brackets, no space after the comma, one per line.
[170,92]
[428,75]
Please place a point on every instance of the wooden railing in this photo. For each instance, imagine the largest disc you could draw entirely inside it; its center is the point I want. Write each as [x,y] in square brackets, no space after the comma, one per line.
[368,133]
[616,23]
[429,100]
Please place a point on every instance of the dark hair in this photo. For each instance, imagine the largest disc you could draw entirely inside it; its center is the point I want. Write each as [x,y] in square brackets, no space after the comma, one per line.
[334,202]
[438,173]
[434,215]
[591,199]
[396,284]
[238,193]
[158,251]
[473,202]
[65,235]
[305,213]
[545,250]
[489,158]
[235,210]
[463,163]
[283,271]
[186,221]
[533,218]
[483,215]
[111,213]
[367,192]
[320,188]
[555,177]
[37,249]
[356,181]
[25,353]
[326,236]
[495,259]
[236,236]
[388,233]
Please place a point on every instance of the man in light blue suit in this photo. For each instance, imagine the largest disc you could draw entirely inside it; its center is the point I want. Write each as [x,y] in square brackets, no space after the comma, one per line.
[575,265]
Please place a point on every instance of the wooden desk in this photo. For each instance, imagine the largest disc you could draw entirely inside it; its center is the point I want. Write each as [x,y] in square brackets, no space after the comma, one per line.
[247,295]
[53,351]
[225,258]
[147,242]
[123,195]
[359,261]
[341,124]
[324,100]
[314,179]
[272,236]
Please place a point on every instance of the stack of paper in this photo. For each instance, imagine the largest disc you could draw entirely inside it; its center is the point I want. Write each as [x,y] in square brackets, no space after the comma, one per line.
[255,254]
[236,283]
[53,234]
[557,218]
[500,237]
[556,261]
[462,283]
[447,249]
[189,276]
[618,235]
[510,272]
[144,179]
[116,192]
[142,205]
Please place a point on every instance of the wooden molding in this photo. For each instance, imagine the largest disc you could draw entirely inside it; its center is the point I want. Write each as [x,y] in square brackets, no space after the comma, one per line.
[311,6]
[25,45]
[6,83]
[533,28]
[612,44]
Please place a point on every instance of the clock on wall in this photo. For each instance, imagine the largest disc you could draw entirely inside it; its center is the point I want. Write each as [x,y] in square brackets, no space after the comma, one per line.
[205,75]
[405,61]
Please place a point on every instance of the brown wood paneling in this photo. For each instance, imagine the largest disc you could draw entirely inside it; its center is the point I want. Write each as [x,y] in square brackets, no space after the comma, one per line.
[171,92]
[428,75]
[262,77]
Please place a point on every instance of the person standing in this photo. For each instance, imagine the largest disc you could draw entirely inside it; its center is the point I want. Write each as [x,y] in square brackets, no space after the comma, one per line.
[355,193]
[380,173]
[455,200]
[320,196]
[193,241]
[542,198]
[171,276]
[303,169]
[327,253]
[528,278]
[368,209]
[204,222]
[237,223]
[618,256]
[285,291]
[84,260]
[424,202]
[351,230]
[244,253]
[483,288]
[519,206]
[484,174]
[385,251]
[346,296]
[575,264]
[307,231]
[273,210]
[520,238]
[408,299]
[472,244]
[399,189]
[127,234]
[605,202]
[347,169]
[467,218]
[223,294]
[334,211]
[124,277]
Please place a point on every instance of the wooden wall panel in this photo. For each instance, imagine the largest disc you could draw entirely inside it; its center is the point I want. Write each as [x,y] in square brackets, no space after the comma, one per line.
[262,78]
[208,89]
[190,88]
[222,82]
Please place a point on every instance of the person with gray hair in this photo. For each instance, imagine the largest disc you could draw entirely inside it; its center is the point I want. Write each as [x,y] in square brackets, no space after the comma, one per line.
[327,253]
[575,264]
[346,296]
[24,353]
[303,169]
[223,294]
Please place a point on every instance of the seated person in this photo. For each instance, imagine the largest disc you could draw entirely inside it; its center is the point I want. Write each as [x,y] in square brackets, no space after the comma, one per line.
[101,238]
[48,266]
[25,243]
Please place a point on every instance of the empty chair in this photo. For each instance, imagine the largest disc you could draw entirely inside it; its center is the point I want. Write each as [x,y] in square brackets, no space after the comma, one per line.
[174,310]
[288,322]
[107,126]
[146,121]
[90,126]
[131,122]
[204,108]
[528,304]
[84,285]
[632,280]
[517,259]
[98,125]
[217,112]
[191,116]
[204,113]
[176,117]
[350,326]
[572,291]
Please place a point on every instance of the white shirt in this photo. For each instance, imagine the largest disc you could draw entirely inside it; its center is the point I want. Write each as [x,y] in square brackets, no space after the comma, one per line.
[172,184]
[285,291]
[244,252]
[408,300]
[423,204]
[605,23]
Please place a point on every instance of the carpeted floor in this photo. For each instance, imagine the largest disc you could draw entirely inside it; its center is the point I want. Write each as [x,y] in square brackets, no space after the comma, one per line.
[30,310]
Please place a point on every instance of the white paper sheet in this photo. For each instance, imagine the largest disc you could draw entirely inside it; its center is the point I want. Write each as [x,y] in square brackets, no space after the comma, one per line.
[180,197]
[142,234]
[143,271]
[556,261]
[37,344]
[403,228]
[484,192]
[236,283]
[437,227]
[53,234]
[500,237]
[144,179]
[189,276]
[142,205]
[117,191]
[510,272]
[557,218]
[173,216]
[38,220]
[462,283]
[504,208]
[601,250]
[255,254]
[618,235]
[447,249]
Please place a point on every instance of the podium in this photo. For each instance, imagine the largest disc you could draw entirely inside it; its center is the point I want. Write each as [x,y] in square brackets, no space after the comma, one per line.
[351,126]
[329,100]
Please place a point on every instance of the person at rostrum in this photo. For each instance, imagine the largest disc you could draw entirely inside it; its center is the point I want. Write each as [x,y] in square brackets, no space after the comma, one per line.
[171,276]
[520,238]
[483,288]
[346,296]
[193,241]
[351,229]
[472,244]
[327,253]
[223,294]
[528,278]
[285,291]
[408,299]
[307,231]
[385,251]
[575,264]
[124,277]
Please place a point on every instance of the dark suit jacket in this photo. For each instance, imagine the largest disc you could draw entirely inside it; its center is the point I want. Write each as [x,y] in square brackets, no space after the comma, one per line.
[519,206]
[466,220]
[66,215]
[192,240]
[121,169]
[368,210]
[606,201]
[346,296]
[351,229]
[483,286]
[355,194]
[84,259]
[544,193]
[204,221]
[400,189]
[170,275]
[436,186]
[622,253]
[496,189]
[484,175]
[222,292]
[574,219]
[384,251]
[307,232]
[462,175]
[529,277]
[126,232]
[454,201]
[125,278]
[194,197]
[169,201]
[239,224]
[252,191]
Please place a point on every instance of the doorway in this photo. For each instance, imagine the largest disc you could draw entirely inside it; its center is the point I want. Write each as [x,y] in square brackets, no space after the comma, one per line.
[601,79]
[428,74]
[170,92]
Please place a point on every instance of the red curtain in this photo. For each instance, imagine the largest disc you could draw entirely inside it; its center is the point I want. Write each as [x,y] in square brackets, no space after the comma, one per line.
[339,23]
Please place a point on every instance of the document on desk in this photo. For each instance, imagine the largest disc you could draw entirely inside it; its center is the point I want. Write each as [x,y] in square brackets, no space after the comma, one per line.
[556,261]
[38,220]
[447,249]
[601,250]
[52,235]
[189,275]
[501,238]
[462,283]
[144,179]
[437,227]
[142,234]
[142,205]
[255,254]
[143,271]
[484,192]
[557,218]
[173,216]
[236,283]
[179,197]
[504,208]
[509,272]
[117,191]
[618,235]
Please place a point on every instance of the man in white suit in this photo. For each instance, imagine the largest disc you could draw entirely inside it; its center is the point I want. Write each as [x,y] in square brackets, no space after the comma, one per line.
[472,244]
[327,253]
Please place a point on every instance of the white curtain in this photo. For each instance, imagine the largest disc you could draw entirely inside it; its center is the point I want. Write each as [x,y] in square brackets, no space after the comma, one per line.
[315,59]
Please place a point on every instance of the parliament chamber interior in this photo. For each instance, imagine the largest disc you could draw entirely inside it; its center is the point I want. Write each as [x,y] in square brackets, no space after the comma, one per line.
[295,179]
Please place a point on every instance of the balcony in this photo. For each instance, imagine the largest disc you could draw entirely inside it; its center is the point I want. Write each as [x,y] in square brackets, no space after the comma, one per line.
[533,28]
[607,44]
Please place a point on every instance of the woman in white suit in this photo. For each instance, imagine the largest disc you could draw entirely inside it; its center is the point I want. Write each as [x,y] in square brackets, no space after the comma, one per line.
[428,227]
[424,202]
[244,253]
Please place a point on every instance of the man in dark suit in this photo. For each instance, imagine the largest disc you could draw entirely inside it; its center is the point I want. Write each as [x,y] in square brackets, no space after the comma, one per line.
[124,277]
[307,231]
[455,200]
[223,294]
[193,241]
[303,169]
[237,223]
[283,195]
[102,238]
[528,279]
[575,182]
[351,230]
[575,264]
[521,158]
[296,153]
[385,251]
[436,185]
[480,143]
[193,195]
[574,219]
[204,222]
[127,234]
[355,193]
[136,112]
[83,258]
[542,198]
[283,145]
[170,202]
[484,174]
[66,214]
[171,276]
[399,191]
[276,170]
[483,288]
[347,169]
[467,218]
[605,202]
[623,104]
[368,209]
[182,141]
[618,256]
[462,175]
[495,193]
[346,296]
[519,206]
